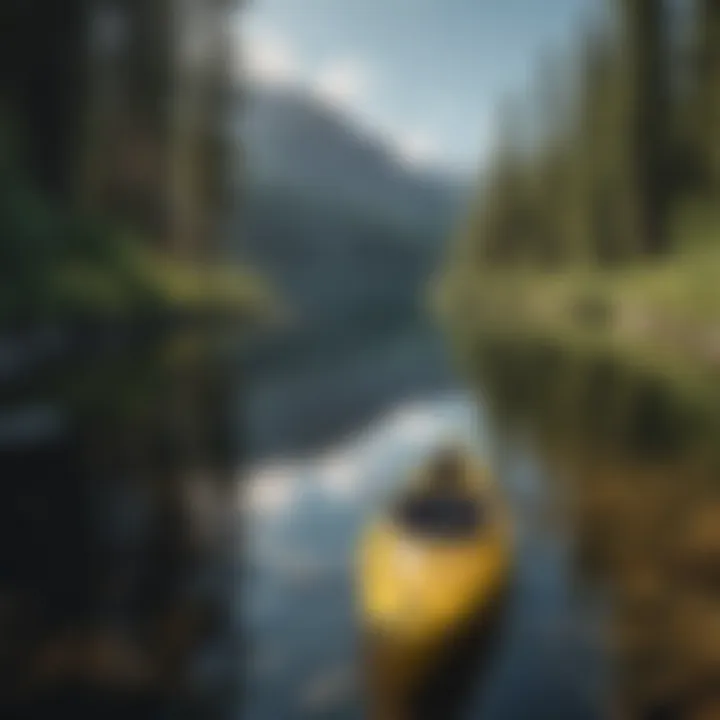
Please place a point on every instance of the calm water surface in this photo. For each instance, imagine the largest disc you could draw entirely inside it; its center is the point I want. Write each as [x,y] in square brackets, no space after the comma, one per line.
[304,511]
[190,514]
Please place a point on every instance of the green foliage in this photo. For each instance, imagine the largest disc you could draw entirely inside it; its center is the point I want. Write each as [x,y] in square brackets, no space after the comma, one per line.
[55,263]
[610,170]
[58,265]
[609,230]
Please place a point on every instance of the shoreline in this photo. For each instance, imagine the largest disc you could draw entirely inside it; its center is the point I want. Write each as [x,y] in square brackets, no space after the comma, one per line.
[664,318]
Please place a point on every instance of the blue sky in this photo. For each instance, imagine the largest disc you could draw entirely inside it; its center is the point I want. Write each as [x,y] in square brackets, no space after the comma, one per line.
[426,73]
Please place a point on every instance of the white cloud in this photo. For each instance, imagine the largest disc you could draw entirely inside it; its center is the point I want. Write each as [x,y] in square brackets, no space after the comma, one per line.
[416,147]
[270,489]
[416,424]
[342,82]
[339,473]
[269,59]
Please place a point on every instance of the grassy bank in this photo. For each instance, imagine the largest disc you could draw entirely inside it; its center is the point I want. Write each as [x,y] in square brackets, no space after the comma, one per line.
[162,284]
[60,264]
[58,268]
[661,313]
[143,285]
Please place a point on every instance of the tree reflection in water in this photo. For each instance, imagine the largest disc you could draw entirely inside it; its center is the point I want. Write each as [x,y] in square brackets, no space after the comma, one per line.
[634,459]
[116,580]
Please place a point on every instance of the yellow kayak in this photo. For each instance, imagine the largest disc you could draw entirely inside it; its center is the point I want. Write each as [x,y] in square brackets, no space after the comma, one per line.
[428,568]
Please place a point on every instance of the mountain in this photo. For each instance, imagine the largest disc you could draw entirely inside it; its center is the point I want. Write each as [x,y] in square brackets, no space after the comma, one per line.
[294,140]
[347,231]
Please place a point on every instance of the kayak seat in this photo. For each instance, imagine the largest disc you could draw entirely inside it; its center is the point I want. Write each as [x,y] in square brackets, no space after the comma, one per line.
[440,517]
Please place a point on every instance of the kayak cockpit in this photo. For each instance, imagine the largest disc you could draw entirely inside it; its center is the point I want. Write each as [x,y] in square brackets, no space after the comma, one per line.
[454,518]
[444,503]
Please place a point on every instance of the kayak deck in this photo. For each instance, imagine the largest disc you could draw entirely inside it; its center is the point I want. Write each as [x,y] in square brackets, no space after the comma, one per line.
[428,568]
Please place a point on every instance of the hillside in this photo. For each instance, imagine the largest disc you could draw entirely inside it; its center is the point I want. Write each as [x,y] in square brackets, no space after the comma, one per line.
[332,216]
[295,140]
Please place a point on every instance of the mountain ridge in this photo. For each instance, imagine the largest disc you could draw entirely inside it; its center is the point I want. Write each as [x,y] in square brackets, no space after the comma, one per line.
[347,233]
[297,141]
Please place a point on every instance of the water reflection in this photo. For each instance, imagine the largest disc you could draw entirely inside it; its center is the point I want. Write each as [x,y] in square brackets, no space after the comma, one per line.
[303,516]
[119,522]
[116,574]
[631,459]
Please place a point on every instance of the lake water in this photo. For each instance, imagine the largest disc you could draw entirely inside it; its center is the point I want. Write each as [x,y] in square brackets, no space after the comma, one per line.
[189,516]
[304,511]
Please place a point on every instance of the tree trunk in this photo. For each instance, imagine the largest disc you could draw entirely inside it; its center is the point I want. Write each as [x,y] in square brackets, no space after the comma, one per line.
[708,76]
[646,51]
[42,76]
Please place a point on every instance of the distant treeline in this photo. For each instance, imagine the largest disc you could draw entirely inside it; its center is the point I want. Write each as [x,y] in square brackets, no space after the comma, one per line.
[617,156]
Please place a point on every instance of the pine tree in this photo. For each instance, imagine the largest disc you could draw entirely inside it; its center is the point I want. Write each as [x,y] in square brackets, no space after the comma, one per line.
[42,80]
[645,46]
[708,85]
